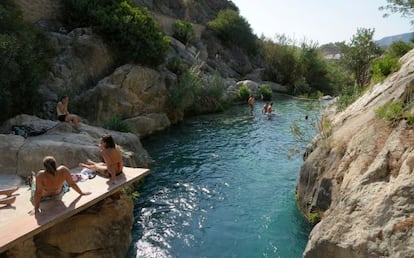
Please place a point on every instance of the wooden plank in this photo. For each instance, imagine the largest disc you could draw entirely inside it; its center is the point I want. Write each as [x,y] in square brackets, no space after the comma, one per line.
[18,224]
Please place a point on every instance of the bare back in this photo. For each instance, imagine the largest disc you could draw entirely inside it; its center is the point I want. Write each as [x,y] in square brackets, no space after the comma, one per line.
[50,184]
[113,160]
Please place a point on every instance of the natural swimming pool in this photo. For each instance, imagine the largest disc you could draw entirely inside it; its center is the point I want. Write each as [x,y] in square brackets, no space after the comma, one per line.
[223,185]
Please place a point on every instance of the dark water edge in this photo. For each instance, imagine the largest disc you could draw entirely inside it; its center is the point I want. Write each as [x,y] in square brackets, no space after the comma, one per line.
[223,185]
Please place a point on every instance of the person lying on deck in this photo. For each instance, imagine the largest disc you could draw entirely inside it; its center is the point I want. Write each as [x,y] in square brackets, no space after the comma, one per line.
[50,182]
[112,165]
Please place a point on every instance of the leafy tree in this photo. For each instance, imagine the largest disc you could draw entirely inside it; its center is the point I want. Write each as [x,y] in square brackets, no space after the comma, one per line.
[302,68]
[131,31]
[24,53]
[233,29]
[406,8]
[359,54]
[339,77]
[281,60]
[314,69]
[399,48]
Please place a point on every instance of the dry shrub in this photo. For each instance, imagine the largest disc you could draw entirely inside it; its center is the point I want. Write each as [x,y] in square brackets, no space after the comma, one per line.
[404,225]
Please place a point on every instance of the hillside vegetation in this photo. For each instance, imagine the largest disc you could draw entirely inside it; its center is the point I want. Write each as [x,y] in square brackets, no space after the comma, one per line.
[134,36]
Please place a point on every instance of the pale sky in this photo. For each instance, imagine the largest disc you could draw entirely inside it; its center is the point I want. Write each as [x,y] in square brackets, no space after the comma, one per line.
[321,21]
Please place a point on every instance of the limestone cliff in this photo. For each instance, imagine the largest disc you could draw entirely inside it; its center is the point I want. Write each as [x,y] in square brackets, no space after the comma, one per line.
[358,176]
[84,65]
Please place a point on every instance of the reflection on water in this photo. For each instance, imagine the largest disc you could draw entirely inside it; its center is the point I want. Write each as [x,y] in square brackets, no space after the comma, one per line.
[223,186]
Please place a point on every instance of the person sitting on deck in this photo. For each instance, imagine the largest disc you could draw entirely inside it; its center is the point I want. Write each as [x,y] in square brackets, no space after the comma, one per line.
[50,182]
[113,163]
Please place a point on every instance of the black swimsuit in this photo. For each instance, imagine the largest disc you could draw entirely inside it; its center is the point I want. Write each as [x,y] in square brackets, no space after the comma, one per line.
[62,118]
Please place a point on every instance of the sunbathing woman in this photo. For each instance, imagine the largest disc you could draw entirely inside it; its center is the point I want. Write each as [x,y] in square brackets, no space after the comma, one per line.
[50,182]
[112,165]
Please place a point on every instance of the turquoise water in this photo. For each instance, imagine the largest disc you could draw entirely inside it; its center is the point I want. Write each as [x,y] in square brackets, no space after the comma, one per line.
[224,186]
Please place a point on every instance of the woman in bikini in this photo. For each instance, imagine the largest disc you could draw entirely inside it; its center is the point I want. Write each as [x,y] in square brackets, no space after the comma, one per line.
[63,112]
[112,165]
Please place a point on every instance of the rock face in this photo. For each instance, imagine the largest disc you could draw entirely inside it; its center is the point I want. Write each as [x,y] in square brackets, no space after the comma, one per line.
[84,66]
[358,176]
[194,11]
[82,59]
[134,92]
[103,230]
[35,10]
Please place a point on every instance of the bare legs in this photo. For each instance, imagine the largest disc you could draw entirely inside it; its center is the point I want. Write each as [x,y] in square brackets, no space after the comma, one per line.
[72,118]
[99,167]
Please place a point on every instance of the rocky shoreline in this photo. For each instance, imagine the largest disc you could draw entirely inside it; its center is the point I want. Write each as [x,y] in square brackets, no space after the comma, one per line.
[357,177]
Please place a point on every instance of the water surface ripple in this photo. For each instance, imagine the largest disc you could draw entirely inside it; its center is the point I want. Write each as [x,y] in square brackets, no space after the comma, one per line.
[223,186]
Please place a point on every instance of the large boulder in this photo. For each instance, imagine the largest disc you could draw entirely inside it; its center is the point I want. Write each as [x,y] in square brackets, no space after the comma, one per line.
[232,91]
[22,155]
[131,92]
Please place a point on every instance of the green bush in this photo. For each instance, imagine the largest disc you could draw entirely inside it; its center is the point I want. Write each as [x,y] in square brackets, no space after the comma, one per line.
[382,67]
[183,31]
[399,48]
[301,87]
[182,95]
[214,88]
[339,77]
[265,92]
[347,96]
[130,31]
[391,111]
[208,97]
[314,218]
[244,93]
[233,29]
[116,123]
[176,65]
[194,96]
[24,61]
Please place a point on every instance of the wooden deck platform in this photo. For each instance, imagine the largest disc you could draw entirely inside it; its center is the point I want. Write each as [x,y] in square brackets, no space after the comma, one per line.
[17,223]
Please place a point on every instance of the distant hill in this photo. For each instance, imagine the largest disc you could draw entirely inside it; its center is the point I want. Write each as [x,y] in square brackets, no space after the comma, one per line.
[332,50]
[386,41]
